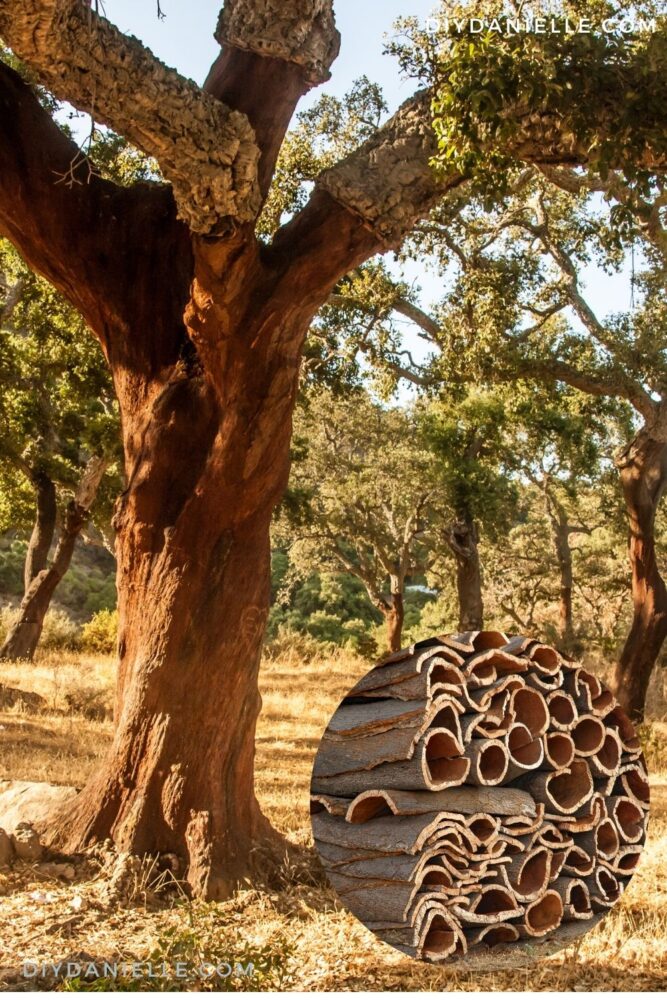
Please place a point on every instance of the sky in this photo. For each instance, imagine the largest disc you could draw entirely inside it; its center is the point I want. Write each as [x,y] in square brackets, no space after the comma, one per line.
[184,40]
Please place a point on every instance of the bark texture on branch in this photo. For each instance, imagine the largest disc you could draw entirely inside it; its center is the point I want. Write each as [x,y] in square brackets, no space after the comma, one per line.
[297,31]
[389,182]
[207,151]
[533,839]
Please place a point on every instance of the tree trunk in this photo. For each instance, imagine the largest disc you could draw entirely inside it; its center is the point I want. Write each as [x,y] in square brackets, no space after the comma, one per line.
[23,638]
[396,620]
[464,542]
[193,554]
[43,530]
[643,471]
[561,532]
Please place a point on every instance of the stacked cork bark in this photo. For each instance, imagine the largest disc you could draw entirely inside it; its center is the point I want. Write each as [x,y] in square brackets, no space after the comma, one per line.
[478,790]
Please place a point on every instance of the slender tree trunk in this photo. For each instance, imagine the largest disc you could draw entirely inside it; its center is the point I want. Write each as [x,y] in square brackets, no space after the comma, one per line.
[464,542]
[396,620]
[565,615]
[43,530]
[561,532]
[643,471]
[23,638]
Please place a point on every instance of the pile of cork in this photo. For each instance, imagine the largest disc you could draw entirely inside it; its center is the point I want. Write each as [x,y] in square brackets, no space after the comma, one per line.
[478,790]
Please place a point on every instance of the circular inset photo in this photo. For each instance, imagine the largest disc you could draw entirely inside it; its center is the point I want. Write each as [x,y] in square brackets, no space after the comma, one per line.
[477,792]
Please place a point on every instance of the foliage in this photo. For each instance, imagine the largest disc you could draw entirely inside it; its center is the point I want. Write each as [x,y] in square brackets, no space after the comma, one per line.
[87,590]
[515,306]
[59,631]
[600,89]
[12,559]
[471,437]
[87,587]
[100,634]
[363,497]
[58,406]
[323,134]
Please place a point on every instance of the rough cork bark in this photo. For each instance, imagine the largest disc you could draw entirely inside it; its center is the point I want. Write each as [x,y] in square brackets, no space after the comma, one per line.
[84,59]
[302,32]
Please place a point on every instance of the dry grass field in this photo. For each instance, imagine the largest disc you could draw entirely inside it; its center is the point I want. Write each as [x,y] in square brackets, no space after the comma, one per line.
[295,931]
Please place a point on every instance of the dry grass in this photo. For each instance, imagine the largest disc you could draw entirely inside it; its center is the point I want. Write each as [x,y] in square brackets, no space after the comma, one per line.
[328,948]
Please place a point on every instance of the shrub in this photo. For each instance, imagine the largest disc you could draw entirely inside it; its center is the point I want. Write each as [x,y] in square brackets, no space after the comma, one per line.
[59,632]
[358,639]
[654,745]
[12,561]
[100,634]
[289,644]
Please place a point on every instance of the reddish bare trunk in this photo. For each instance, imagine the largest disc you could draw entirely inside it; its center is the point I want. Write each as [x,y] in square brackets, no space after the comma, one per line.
[23,638]
[643,470]
[206,466]
[464,543]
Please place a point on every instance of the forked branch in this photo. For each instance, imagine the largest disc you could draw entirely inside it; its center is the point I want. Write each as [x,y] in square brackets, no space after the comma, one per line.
[207,151]
[273,51]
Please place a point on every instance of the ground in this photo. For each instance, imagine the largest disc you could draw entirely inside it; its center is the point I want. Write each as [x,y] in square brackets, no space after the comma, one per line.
[294,933]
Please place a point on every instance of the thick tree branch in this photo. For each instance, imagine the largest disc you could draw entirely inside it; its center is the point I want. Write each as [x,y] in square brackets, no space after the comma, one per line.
[205,150]
[420,318]
[647,212]
[555,370]
[273,51]
[388,184]
[61,230]
[400,305]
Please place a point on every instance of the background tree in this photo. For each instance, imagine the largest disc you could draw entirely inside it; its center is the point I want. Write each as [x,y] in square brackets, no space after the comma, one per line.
[564,448]
[364,499]
[539,243]
[515,309]
[59,436]
[468,433]
[203,324]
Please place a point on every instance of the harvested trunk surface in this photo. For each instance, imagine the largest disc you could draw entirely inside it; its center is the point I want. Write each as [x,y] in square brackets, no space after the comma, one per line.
[479,791]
